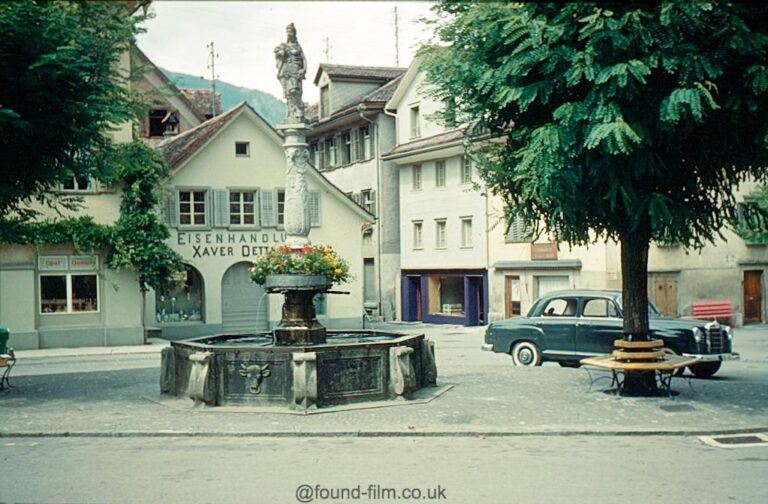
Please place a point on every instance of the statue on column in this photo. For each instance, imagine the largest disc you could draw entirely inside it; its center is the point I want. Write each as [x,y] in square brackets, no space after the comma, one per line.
[291,70]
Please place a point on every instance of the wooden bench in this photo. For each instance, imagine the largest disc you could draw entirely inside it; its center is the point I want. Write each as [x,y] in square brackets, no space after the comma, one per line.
[664,369]
[7,361]
[722,311]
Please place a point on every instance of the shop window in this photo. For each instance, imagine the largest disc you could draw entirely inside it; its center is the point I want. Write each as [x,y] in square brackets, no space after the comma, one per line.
[181,300]
[192,208]
[69,293]
[445,295]
[242,208]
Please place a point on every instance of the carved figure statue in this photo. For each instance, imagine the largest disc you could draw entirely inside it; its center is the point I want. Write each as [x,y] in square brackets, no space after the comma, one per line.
[291,70]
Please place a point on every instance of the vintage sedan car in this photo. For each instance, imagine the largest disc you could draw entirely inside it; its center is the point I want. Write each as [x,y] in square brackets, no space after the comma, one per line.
[566,326]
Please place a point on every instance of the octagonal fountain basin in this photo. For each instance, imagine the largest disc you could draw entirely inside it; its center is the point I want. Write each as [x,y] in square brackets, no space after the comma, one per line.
[250,370]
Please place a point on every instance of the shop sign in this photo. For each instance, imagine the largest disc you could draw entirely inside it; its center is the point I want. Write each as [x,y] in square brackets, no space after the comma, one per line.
[49,263]
[83,262]
[218,244]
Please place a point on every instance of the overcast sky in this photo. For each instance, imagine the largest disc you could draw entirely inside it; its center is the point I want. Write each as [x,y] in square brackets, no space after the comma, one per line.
[245,34]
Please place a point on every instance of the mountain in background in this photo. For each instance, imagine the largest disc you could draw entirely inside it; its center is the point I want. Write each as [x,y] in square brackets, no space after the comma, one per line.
[269,107]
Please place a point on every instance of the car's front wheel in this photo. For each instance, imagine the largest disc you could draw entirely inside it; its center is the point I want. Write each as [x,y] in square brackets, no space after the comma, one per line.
[525,353]
[705,369]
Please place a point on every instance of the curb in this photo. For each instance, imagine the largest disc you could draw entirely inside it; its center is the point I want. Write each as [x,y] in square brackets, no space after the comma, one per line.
[380,434]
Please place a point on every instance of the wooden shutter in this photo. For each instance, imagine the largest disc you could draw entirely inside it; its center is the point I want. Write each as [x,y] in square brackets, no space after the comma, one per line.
[357,198]
[373,203]
[257,207]
[314,208]
[172,209]
[220,208]
[268,209]
[355,154]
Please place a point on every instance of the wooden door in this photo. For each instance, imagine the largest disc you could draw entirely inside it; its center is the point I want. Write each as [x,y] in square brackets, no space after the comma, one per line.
[512,296]
[664,294]
[753,296]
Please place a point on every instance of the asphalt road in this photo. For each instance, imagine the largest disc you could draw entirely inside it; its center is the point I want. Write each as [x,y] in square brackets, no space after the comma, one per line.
[459,470]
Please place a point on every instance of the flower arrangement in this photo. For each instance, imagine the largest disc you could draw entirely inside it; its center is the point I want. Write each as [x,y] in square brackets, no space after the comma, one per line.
[308,260]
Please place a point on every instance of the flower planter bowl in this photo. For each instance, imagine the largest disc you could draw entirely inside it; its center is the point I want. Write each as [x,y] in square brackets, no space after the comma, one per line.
[282,283]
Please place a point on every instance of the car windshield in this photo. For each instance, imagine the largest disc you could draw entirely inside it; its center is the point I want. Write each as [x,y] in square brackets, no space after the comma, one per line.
[653,312]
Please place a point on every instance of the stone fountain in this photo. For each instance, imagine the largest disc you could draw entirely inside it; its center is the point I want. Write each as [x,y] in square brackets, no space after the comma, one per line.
[299,364]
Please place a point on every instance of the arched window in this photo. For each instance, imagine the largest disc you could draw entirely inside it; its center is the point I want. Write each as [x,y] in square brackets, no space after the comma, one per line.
[181,299]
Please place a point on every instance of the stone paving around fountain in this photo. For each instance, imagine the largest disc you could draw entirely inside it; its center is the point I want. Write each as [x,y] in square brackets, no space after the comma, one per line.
[115,392]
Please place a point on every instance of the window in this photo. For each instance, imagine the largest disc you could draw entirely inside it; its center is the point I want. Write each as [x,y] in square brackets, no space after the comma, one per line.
[242,149]
[330,152]
[440,233]
[445,295]
[560,307]
[418,235]
[517,231]
[156,122]
[280,207]
[416,170]
[181,300]
[440,174]
[325,102]
[77,184]
[466,232]
[415,122]
[466,170]
[367,150]
[319,149]
[69,293]
[192,208]
[367,200]
[242,208]
[346,148]
[600,308]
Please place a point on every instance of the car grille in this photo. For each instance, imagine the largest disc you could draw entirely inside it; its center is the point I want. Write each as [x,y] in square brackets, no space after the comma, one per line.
[717,341]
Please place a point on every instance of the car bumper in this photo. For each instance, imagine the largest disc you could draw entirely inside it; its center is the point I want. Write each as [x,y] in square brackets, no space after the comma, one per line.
[487,347]
[714,357]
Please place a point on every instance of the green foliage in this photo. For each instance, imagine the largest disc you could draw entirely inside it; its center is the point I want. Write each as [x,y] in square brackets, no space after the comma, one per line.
[309,260]
[60,95]
[86,235]
[752,221]
[633,124]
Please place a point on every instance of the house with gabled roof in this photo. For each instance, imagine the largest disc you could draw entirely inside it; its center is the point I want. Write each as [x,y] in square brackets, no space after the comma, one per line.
[350,130]
[225,207]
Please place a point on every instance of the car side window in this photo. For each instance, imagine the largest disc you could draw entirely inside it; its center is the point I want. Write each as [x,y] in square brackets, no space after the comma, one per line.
[560,307]
[599,308]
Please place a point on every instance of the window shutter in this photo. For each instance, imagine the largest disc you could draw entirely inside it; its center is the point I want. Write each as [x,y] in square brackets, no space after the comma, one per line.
[220,208]
[268,209]
[355,154]
[257,207]
[373,203]
[357,198]
[172,209]
[314,208]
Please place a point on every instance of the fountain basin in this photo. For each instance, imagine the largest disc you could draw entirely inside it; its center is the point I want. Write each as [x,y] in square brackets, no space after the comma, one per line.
[249,370]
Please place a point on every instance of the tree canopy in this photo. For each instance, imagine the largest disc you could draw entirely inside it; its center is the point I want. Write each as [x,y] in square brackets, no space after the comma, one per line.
[61,93]
[634,121]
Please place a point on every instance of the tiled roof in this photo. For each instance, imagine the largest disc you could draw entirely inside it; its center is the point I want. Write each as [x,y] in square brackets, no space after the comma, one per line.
[385,92]
[178,149]
[358,72]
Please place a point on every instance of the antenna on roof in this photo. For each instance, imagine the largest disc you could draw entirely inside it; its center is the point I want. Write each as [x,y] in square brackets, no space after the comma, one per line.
[397,40]
[212,55]
[327,49]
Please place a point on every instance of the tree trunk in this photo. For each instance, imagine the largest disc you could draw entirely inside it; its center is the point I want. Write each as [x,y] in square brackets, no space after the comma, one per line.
[634,285]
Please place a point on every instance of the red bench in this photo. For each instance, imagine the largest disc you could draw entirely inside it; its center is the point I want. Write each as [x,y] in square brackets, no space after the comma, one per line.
[722,311]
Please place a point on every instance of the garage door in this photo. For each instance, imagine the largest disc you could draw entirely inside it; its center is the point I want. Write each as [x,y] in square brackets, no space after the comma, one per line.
[546,284]
[244,304]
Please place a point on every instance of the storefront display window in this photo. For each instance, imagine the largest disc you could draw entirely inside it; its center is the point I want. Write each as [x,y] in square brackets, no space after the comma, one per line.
[181,300]
[446,295]
[68,293]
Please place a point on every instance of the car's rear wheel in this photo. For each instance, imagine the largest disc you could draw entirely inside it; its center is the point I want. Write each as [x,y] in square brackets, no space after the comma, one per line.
[525,353]
[705,369]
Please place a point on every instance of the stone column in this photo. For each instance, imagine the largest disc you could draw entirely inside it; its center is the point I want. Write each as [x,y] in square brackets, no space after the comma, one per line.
[296,215]
[305,380]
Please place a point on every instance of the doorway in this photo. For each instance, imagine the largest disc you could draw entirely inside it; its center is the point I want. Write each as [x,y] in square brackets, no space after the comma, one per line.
[512,307]
[664,293]
[753,296]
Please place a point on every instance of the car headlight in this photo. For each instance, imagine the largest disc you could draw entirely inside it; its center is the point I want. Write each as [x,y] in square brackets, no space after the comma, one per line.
[698,336]
[728,332]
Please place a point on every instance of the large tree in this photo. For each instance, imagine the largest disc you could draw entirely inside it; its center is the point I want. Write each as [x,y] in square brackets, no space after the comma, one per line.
[629,121]
[61,93]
